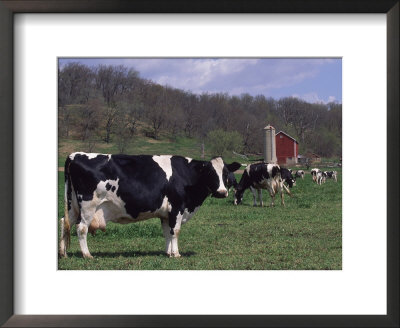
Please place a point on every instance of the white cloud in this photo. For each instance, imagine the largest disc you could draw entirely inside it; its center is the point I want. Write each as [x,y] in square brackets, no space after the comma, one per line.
[313,97]
[331,99]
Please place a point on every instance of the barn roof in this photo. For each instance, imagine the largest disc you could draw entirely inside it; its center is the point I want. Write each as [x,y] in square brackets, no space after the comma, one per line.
[287,136]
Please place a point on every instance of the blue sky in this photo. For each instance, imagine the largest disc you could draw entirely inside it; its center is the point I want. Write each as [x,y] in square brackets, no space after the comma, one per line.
[311,79]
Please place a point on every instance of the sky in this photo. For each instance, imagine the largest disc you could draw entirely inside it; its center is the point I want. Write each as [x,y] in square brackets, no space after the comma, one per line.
[315,80]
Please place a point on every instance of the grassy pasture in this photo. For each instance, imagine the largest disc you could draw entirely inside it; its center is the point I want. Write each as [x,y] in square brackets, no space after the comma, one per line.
[306,234]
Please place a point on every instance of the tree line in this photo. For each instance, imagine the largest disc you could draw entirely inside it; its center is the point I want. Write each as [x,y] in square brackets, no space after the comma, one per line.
[113,103]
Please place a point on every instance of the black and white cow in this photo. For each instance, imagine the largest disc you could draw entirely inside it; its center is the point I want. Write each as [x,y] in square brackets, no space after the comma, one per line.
[320,177]
[331,175]
[300,174]
[314,174]
[286,175]
[121,188]
[258,176]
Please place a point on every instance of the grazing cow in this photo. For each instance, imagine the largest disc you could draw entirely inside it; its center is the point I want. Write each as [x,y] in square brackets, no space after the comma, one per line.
[286,175]
[331,175]
[259,176]
[300,174]
[320,177]
[124,189]
[314,174]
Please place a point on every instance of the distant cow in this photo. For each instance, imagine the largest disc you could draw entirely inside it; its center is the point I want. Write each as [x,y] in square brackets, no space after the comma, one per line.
[320,177]
[120,188]
[331,175]
[300,174]
[258,176]
[314,174]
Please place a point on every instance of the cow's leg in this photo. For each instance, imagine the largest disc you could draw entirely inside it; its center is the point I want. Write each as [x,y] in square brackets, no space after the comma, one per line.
[280,188]
[272,199]
[272,195]
[167,236]
[287,190]
[175,221]
[253,191]
[62,251]
[87,213]
[260,197]
[272,188]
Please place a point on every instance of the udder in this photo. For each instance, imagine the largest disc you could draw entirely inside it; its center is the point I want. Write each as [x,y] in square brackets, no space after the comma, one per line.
[98,223]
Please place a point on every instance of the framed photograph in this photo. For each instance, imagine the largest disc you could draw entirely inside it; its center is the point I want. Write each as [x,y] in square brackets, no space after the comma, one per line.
[344,272]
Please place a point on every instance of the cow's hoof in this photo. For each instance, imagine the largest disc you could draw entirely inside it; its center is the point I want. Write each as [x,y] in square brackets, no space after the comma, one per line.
[175,255]
[87,256]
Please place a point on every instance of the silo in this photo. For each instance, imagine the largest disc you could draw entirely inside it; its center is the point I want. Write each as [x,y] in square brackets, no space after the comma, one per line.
[269,144]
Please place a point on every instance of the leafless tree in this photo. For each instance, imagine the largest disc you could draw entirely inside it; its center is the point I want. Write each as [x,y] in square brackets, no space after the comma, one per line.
[113,82]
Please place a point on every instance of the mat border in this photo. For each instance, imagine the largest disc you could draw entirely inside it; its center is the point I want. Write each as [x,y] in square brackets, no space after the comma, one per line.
[10,7]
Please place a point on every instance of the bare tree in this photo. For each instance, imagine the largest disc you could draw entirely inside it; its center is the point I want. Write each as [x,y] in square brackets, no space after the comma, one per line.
[113,82]
[156,111]
[122,133]
[89,118]
[300,115]
[75,84]
[190,114]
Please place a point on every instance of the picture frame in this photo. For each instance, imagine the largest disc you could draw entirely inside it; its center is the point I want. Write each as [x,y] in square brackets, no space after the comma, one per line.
[9,8]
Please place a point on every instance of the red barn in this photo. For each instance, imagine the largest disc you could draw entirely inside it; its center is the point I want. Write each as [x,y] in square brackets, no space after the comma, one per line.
[287,148]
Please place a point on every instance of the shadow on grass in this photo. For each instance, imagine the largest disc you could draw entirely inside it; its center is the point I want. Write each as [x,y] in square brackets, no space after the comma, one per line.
[258,206]
[129,254]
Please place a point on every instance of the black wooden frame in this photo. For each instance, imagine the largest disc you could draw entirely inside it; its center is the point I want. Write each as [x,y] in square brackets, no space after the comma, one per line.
[9,7]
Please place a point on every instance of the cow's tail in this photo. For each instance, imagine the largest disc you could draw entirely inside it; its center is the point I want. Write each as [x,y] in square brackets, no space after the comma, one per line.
[65,221]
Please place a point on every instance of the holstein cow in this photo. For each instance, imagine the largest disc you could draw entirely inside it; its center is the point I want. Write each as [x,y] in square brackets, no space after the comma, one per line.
[331,175]
[258,176]
[286,175]
[120,188]
[314,174]
[300,174]
[321,177]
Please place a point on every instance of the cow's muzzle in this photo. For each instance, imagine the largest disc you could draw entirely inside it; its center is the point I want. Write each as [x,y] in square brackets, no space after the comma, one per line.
[221,193]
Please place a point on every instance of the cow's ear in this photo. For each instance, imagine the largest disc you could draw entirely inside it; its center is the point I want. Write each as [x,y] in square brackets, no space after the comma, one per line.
[233,166]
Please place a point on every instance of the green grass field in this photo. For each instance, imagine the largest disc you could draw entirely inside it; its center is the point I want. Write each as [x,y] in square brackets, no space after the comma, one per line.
[306,234]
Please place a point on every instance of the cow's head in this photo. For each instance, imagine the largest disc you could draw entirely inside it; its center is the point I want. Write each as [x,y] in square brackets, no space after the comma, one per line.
[288,177]
[238,196]
[291,182]
[216,176]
